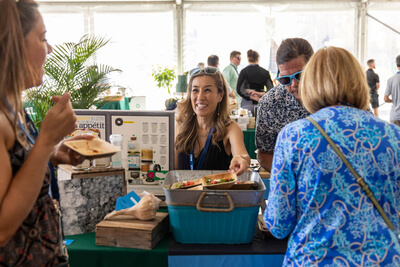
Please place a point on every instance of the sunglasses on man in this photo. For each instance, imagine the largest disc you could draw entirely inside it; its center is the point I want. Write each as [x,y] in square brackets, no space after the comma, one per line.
[287,80]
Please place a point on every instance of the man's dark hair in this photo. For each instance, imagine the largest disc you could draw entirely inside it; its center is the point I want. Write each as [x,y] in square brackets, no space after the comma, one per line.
[398,61]
[370,61]
[292,48]
[212,60]
[235,53]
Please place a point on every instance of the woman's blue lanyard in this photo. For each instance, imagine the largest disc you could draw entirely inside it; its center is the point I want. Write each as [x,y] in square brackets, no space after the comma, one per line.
[203,153]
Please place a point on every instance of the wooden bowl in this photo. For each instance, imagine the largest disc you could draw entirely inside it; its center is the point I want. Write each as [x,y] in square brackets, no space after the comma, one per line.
[92,149]
[208,179]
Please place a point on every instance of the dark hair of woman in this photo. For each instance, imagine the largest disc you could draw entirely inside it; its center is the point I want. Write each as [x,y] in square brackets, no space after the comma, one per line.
[252,56]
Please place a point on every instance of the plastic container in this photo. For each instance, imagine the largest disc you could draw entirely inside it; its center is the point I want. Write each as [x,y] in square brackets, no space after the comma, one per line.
[192,226]
[243,127]
[101,163]
[133,154]
[213,216]
[243,120]
[84,166]
[116,160]
[267,187]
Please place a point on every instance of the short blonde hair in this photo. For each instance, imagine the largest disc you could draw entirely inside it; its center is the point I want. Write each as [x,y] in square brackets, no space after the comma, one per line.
[333,76]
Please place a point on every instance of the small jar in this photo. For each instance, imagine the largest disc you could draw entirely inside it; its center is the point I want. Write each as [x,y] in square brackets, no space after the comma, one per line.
[101,163]
[84,166]
[145,166]
[147,153]
[116,160]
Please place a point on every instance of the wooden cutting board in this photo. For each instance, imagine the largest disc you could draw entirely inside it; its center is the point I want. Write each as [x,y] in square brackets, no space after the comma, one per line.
[132,233]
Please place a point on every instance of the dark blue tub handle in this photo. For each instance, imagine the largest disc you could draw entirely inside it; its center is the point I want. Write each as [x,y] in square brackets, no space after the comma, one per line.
[203,194]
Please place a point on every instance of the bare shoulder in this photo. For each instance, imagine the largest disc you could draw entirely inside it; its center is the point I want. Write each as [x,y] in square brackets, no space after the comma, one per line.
[6,133]
[234,128]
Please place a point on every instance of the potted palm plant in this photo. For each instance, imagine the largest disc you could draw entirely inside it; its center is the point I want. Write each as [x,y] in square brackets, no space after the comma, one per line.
[70,68]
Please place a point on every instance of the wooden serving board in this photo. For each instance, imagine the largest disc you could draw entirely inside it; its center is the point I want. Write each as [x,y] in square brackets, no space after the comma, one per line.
[132,233]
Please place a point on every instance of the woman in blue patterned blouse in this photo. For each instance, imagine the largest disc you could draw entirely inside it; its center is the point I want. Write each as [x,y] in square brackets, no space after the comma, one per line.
[314,198]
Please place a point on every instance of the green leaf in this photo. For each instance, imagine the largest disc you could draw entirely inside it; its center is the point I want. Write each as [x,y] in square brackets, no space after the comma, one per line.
[69,69]
[164,77]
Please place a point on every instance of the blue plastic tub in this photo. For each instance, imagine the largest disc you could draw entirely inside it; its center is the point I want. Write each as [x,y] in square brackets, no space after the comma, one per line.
[213,216]
[192,226]
[266,183]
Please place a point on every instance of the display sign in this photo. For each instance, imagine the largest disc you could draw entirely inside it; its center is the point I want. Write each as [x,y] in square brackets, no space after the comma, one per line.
[92,123]
[152,135]
[154,132]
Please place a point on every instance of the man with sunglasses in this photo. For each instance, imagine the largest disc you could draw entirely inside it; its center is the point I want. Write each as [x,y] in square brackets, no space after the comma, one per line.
[281,105]
[231,73]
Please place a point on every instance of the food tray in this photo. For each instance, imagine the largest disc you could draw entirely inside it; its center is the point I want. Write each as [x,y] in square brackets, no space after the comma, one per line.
[213,197]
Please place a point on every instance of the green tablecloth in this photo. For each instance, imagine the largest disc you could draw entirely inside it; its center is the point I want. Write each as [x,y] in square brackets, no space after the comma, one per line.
[117,105]
[250,143]
[84,252]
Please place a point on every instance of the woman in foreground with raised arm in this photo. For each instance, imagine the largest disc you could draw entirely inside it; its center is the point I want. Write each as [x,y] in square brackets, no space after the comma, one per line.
[29,223]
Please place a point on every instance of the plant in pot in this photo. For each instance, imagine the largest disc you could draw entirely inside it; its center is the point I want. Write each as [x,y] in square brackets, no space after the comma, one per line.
[182,84]
[70,68]
[164,77]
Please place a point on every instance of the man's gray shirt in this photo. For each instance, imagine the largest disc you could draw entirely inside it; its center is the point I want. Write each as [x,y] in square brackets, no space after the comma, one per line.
[393,89]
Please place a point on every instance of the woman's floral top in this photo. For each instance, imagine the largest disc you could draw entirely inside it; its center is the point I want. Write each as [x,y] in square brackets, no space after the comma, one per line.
[317,201]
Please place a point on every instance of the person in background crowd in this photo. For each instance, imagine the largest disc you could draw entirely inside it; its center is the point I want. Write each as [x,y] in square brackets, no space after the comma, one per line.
[231,73]
[393,89]
[213,61]
[205,136]
[373,83]
[314,198]
[253,81]
[29,224]
[281,105]
[201,65]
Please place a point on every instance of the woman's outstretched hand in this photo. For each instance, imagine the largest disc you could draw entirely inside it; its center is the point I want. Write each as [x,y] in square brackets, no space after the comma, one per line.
[239,164]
